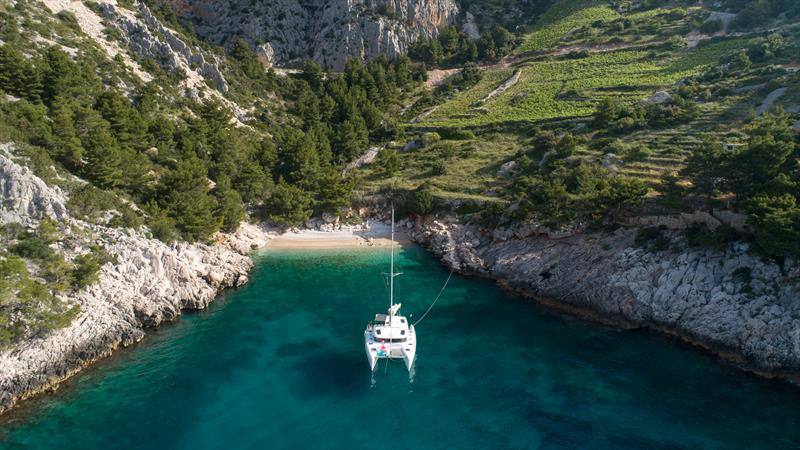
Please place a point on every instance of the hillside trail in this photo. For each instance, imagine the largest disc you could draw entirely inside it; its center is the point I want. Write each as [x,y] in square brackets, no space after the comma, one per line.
[770,100]
[436,77]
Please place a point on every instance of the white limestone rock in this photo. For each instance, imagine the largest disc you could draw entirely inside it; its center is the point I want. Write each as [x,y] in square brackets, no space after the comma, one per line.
[329,32]
[149,284]
[693,293]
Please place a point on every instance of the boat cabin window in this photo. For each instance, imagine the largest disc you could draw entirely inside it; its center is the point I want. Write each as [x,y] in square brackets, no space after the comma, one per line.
[389,341]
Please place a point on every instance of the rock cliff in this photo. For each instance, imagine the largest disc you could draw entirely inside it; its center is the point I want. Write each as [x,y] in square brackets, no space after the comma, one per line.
[150,283]
[329,32]
[731,302]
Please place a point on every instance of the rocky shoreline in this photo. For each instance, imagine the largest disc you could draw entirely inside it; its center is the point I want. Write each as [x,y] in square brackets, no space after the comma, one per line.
[149,284]
[694,294]
[698,295]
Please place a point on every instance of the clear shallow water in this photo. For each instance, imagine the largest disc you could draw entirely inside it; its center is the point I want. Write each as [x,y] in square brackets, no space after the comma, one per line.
[280,364]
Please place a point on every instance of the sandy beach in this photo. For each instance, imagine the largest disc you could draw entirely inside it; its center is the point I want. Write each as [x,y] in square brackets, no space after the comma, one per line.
[378,235]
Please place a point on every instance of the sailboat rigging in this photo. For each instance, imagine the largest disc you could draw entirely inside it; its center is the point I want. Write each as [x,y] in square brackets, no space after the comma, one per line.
[390,336]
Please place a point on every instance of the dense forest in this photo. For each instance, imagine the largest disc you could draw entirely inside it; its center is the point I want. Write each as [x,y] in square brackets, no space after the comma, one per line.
[188,168]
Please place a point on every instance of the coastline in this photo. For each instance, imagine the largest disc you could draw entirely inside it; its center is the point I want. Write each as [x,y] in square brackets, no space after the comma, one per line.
[152,285]
[692,295]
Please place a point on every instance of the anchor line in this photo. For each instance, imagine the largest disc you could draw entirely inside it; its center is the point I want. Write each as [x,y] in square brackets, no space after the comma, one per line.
[437,297]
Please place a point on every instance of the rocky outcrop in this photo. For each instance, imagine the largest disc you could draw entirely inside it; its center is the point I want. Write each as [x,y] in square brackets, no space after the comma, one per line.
[329,32]
[150,283]
[25,197]
[146,36]
[730,302]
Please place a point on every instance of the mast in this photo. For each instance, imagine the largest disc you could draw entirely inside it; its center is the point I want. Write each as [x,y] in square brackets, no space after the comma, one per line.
[391,273]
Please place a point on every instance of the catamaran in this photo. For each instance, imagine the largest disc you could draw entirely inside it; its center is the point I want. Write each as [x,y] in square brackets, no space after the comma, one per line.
[390,336]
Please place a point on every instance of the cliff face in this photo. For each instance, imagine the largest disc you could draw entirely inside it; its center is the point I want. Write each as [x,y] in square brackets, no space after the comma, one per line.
[730,302]
[327,31]
[150,283]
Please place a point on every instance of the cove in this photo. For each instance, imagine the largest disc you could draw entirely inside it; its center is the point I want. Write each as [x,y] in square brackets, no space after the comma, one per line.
[280,364]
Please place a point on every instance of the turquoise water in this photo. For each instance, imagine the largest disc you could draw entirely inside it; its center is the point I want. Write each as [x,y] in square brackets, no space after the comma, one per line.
[280,364]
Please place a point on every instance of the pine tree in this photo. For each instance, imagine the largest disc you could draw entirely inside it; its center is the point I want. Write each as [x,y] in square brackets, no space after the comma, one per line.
[63,77]
[230,208]
[103,159]
[185,191]
[288,205]
[66,146]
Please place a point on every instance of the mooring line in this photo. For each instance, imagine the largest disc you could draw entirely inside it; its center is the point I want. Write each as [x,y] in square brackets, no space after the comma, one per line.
[437,297]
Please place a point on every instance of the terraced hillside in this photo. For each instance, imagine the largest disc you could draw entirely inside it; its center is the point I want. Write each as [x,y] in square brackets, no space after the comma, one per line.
[579,54]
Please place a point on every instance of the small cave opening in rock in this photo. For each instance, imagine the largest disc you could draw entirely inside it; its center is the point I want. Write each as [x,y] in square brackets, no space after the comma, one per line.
[545,275]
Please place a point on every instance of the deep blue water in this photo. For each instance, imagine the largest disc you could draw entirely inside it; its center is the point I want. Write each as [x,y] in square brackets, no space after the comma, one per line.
[280,364]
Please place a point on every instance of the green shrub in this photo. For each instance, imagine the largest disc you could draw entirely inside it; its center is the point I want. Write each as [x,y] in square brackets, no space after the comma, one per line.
[33,246]
[421,200]
[720,239]
[389,162]
[429,139]
[456,134]
[439,167]
[288,206]
[86,271]
[711,26]
[27,307]
[89,203]
[652,238]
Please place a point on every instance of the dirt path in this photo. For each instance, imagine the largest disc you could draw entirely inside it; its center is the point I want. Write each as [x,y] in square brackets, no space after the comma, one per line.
[437,77]
[508,84]
[769,100]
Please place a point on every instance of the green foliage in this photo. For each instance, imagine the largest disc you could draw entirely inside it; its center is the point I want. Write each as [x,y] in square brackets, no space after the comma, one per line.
[288,206]
[616,116]
[27,307]
[557,194]
[230,205]
[160,223]
[451,47]
[420,201]
[187,198]
[429,138]
[763,177]
[711,26]
[563,18]
[93,205]
[86,270]
[776,219]
[439,167]
[652,238]
[719,239]
[389,162]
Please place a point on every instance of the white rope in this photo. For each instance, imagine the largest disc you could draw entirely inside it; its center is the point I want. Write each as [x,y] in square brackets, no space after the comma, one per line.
[437,297]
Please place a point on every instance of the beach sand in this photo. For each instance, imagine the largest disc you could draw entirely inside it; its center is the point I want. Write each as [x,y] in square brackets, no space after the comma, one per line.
[378,235]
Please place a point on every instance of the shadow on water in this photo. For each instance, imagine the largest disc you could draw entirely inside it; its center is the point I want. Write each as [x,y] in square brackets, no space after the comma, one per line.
[331,373]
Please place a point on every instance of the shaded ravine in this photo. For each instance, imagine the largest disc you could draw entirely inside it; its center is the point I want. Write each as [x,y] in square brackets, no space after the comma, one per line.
[279,363]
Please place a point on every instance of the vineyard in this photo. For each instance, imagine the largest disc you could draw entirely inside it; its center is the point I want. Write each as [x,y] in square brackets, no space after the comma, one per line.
[575,55]
[563,18]
[570,88]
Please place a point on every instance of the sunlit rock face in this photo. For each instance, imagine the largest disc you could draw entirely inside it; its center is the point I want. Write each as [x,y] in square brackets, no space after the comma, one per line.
[327,31]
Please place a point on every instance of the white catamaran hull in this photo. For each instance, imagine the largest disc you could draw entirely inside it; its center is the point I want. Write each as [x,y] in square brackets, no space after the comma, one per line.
[376,350]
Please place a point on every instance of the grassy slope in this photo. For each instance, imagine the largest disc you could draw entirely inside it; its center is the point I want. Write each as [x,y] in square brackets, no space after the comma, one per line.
[554,89]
